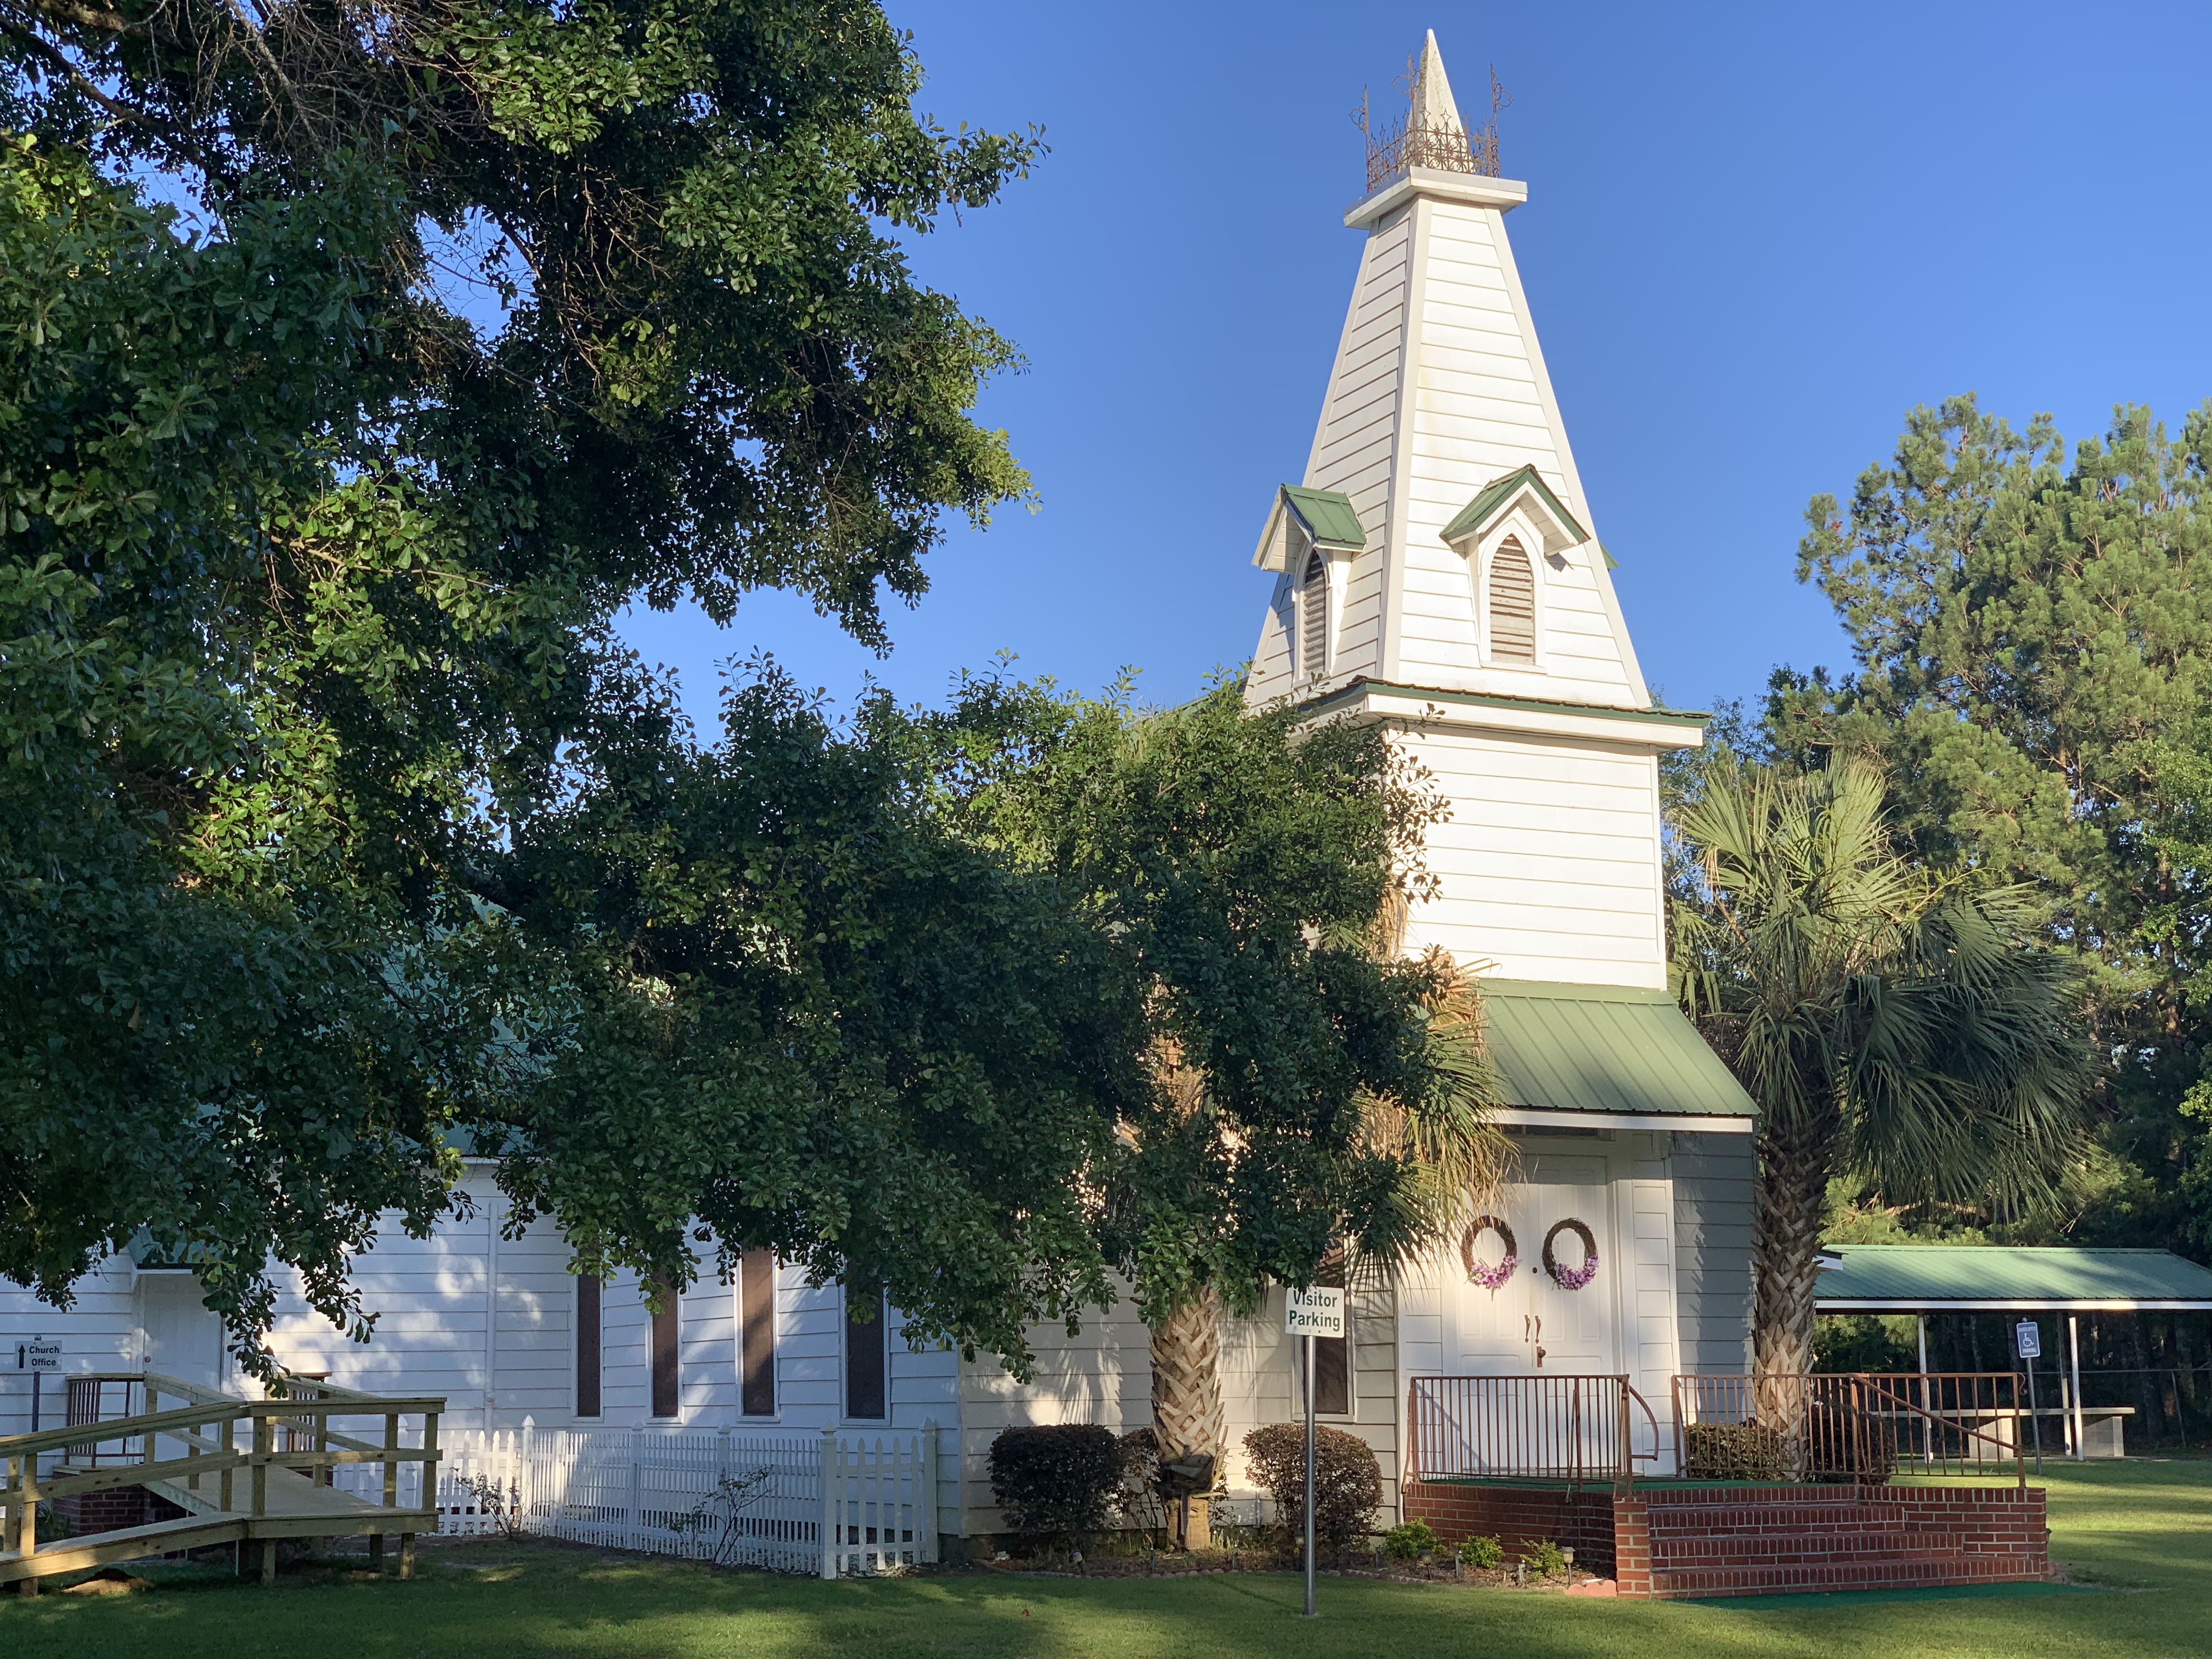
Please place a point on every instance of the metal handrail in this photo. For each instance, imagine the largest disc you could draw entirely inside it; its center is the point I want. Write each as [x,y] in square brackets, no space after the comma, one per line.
[1576,1428]
[1835,1426]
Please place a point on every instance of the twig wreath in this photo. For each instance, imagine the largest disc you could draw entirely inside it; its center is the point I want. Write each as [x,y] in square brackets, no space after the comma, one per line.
[1492,1276]
[1572,1278]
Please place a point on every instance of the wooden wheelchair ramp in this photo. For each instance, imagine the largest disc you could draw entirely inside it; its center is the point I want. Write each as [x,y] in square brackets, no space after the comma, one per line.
[244,1471]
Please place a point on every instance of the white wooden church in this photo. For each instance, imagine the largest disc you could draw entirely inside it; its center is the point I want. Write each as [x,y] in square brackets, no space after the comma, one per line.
[1436,568]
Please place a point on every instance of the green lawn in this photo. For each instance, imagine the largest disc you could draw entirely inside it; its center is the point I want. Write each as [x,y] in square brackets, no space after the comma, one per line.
[2143,1530]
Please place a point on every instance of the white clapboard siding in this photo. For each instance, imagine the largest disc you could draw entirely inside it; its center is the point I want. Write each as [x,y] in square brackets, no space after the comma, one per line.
[98,1333]
[1549,865]
[1101,1374]
[1654,1351]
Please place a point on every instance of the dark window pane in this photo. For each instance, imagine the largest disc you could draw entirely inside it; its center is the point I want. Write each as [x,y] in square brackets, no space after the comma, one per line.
[587,1346]
[756,1360]
[866,1355]
[666,1334]
[1331,1375]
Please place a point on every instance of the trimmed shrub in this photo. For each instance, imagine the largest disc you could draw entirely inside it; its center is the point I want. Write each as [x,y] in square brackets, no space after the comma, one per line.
[1057,1481]
[1733,1451]
[1484,1553]
[1348,1482]
[1410,1541]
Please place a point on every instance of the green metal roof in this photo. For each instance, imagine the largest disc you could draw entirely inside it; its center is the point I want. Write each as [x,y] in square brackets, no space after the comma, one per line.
[1926,1278]
[1495,493]
[1328,517]
[1604,1048]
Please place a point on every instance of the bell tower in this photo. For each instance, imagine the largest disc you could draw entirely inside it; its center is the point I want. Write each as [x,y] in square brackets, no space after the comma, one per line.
[1437,569]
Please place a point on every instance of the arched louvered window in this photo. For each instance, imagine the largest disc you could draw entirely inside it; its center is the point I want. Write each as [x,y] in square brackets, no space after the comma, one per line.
[1313,617]
[1512,604]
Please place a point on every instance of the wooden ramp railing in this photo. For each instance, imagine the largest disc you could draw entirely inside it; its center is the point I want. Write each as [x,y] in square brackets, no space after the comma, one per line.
[243,1471]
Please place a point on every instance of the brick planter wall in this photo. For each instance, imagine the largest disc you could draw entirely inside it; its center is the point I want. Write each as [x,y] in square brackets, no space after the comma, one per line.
[1582,1522]
[1678,1542]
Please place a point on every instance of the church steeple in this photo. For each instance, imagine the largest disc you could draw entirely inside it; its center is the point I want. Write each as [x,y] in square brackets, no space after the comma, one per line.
[1459,552]
[1433,109]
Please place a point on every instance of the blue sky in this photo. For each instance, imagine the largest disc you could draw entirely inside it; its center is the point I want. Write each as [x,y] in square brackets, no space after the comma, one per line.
[1754,236]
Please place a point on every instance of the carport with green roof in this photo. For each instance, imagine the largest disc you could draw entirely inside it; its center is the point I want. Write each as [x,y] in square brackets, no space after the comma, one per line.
[1920,1280]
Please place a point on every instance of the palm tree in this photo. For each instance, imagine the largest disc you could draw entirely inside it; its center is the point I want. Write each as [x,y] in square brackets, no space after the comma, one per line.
[1889,1026]
[1445,1160]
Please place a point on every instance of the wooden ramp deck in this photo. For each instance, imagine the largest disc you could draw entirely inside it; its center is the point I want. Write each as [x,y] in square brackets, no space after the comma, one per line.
[271,1486]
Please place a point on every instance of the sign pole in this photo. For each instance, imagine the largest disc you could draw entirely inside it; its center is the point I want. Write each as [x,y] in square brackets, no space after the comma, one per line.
[2029,1340]
[1310,1477]
[1315,1311]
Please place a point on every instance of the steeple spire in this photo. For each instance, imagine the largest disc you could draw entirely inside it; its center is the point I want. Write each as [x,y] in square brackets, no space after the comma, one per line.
[1440,466]
[1433,109]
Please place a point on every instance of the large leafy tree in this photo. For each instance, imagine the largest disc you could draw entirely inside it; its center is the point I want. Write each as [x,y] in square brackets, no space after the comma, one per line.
[788,998]
[307,578]
[978,1005]
[2033,637]
[1891,1028]
[1313,1098]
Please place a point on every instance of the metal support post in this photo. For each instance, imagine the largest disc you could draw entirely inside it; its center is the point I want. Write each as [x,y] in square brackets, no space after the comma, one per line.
[2074,1365]
[1310,1478]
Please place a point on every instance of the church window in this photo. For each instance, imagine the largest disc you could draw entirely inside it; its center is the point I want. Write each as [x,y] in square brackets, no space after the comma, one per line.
[667,1340]
[1312,618]
[588,1345]
[1512,604]
[756,1333]
[868,1355]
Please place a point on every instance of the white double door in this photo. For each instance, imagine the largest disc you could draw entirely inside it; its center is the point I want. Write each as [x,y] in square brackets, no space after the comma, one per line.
[1538,1332]
[1532,1324]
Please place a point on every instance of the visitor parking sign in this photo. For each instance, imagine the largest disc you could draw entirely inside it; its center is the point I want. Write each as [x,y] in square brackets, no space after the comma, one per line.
[1316,1312]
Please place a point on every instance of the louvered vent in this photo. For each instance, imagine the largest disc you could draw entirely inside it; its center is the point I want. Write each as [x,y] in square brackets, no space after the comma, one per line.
[1312,618]
[1512,604]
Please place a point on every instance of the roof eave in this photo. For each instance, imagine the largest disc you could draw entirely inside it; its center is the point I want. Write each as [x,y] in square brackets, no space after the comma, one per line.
[1553,1117]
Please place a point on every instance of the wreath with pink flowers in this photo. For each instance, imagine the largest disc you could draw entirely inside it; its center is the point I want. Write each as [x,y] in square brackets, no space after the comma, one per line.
[1492,1275]
[1572,1278]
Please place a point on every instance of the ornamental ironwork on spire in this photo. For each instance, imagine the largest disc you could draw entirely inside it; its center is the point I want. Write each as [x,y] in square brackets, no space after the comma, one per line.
[1432,135]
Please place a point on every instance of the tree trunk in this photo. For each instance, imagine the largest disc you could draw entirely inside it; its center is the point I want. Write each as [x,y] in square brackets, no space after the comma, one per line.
[1187,1417]
[1791,1198]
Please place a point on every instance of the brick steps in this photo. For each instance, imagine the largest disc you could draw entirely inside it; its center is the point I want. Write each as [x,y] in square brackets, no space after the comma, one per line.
[1717,1540]
[1708,1543]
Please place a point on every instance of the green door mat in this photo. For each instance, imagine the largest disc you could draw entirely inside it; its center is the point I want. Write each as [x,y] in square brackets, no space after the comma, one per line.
[1903,1592]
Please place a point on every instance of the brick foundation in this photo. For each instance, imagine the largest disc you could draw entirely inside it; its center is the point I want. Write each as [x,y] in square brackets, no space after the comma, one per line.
[1677,1541]
[1582,1520]
[113,1508]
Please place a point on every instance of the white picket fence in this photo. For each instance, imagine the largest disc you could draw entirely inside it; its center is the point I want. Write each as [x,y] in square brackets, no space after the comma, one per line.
[827,1504]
